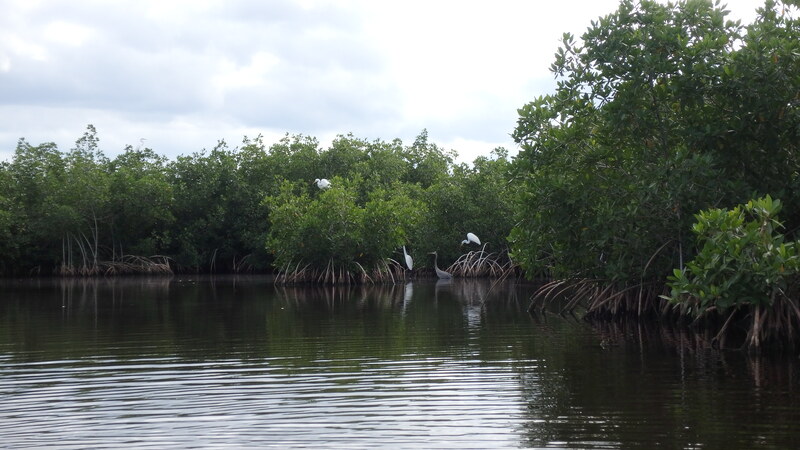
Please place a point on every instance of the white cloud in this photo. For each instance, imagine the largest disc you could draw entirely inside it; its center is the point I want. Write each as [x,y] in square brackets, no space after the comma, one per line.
[253,75]
[19,47]
[185,74]
[66,33]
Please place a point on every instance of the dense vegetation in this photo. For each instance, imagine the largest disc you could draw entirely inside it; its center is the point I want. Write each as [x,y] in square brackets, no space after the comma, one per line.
[249,208]
[644,183]
[662,111]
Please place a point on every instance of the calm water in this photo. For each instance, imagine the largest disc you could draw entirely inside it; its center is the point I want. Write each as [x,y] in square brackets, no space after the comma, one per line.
[236,362]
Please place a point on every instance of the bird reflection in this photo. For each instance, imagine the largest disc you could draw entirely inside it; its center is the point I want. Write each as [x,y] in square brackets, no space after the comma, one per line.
[443,284]
[407,294]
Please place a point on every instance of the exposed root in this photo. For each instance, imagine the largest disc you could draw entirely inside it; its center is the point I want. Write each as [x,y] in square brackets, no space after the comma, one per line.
[481,263]
[750,326]
[121,265]
[383,272]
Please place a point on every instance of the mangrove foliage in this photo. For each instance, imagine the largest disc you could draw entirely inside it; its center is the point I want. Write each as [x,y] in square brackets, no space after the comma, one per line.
[248,208]
[663,110]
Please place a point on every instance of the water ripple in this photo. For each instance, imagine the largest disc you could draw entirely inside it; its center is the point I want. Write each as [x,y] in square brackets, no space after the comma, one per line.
[233,365]
[156,402]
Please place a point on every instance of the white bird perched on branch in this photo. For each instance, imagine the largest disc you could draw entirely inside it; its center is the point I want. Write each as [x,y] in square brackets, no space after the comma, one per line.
[409,261]
[471,238]
[322,183]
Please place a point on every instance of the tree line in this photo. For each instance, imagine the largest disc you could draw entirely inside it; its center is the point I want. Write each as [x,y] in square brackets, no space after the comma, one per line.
[249,208]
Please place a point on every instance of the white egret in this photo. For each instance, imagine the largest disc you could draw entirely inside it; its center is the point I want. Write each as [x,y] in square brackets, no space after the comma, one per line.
[439,272]
[409,261]
[471,238]
[322,183]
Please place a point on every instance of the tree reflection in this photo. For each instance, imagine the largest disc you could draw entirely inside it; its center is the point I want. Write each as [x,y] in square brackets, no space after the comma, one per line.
[556,379]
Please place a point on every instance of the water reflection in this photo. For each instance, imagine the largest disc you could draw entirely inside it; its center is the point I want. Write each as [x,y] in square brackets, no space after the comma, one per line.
[693,351]
[237,361]
[408,294]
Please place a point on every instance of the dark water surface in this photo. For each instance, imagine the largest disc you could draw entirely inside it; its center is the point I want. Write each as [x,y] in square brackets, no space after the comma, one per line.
[236,362]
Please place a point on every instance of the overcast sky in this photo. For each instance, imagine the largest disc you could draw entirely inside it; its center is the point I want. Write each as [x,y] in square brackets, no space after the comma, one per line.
[184,74]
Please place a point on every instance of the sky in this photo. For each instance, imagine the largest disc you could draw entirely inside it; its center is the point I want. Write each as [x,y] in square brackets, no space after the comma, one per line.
[179,76]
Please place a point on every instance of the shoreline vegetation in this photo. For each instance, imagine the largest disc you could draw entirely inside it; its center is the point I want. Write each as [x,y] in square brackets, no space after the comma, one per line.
[473,264]
[254,209]
[652,177]
[647,185]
